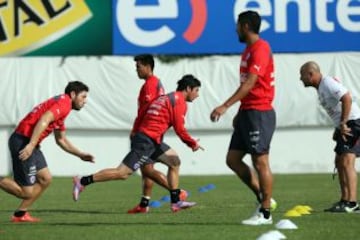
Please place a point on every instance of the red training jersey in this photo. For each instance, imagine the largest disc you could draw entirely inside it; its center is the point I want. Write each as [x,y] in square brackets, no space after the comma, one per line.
[59,105]
[166,111]
[151,90]
[257,59]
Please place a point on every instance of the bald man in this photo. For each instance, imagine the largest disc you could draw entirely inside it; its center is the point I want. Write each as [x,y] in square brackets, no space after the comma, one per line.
[345,114]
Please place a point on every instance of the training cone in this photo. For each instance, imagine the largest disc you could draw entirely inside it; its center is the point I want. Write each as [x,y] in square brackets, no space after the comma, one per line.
[285,224]
[307,207]
[272,235]
[301,209]
[292,213]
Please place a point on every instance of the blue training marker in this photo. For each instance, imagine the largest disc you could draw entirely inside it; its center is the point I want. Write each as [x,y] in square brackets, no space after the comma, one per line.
[155,204]
[210,186]
[203,189]
[165,198]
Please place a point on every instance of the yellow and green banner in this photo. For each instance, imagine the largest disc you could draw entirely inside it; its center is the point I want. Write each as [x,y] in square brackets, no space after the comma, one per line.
[55,27]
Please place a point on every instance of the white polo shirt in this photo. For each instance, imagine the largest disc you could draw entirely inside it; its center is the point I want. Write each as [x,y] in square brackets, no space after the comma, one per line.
[330,92]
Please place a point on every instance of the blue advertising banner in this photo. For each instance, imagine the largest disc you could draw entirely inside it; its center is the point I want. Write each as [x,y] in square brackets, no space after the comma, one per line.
[208,26]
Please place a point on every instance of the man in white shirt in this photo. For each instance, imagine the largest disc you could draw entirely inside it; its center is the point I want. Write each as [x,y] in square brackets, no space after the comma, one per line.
[345,114]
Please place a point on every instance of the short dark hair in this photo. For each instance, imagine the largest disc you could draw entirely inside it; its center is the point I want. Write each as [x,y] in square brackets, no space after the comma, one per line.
[252,18]
[145,59]
[187,80]
[76,86]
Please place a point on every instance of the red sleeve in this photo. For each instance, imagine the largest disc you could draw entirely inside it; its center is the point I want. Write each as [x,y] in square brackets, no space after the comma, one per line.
[179,112]
[259,60]
[60,110]
[148,93]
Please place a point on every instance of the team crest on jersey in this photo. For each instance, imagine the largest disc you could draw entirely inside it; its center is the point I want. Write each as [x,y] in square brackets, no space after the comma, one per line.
[32,179]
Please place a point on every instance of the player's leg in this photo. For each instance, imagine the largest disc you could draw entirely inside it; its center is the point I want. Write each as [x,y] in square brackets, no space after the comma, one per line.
[170,158]
[11,187]
[260,126]
[342,180]
[142,148]
[262,167]
[348,160]
[25,175]
[43,180]
[243,171]
[344,191]
[147,185]
[238,148]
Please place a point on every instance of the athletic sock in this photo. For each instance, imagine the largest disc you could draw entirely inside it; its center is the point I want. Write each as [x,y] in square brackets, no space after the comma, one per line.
[265,212]
[174,195]
[351,204]
[87,180]
[144,202]
[19,213]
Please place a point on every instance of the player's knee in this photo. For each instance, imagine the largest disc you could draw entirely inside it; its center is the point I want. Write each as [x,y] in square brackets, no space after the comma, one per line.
[230,162]
[45,181]
[175,161]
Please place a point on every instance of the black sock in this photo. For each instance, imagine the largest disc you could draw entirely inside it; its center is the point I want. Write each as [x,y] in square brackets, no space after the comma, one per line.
[144,202]
[265,212]
[19,213]
[87,180]
[351,204]
[174,195]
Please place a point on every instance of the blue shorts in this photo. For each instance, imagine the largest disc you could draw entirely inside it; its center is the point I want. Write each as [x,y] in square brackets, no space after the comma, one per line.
[143,151]
[25,171]
[352,144]
[253,131]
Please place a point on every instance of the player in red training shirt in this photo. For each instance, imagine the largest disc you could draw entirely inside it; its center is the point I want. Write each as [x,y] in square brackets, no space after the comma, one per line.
[151,90]
[255,122]
[31,174]
[165,112]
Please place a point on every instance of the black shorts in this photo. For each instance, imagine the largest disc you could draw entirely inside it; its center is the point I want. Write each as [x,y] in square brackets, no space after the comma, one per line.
[25,171]
[143,151]
[352,144]
[253,131]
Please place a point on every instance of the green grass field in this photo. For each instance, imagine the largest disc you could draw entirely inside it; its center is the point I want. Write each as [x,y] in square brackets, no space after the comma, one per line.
[101,211]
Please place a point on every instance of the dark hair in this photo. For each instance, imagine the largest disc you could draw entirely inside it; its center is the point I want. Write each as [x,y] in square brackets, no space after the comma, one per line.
[188,81]
[76,86]
[252,18]
[145,59]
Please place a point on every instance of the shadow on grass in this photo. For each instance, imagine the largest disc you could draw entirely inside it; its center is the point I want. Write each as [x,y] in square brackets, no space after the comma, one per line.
[143,223]
[64,211]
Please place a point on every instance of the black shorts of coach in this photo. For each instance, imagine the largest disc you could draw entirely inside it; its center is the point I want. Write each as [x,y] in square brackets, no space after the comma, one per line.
[352,144]
[253,131]
[143,151]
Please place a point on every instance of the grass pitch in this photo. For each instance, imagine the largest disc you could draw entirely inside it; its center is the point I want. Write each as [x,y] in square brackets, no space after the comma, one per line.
[101,211]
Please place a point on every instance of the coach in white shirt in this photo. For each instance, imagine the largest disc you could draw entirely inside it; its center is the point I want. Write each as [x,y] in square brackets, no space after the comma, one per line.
[345,114]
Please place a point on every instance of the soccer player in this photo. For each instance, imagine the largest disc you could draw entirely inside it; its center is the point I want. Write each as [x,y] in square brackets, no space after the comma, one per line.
[151,90]
[345,114]
[31,174]
[165,112]
[254,124]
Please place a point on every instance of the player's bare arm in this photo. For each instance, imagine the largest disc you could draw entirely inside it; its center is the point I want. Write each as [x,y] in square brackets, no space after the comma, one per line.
[345,112]
[42,124]
[240,93]
[67,146]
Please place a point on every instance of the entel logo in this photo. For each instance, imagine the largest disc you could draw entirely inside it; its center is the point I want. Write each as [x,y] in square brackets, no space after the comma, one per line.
[313,16]
[127,12]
